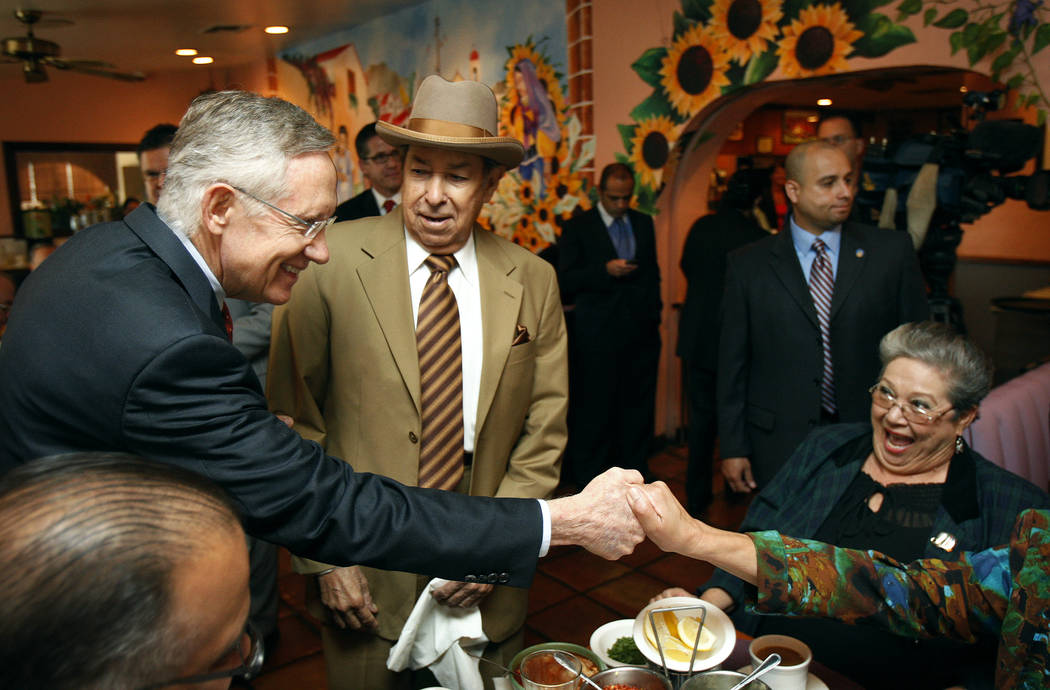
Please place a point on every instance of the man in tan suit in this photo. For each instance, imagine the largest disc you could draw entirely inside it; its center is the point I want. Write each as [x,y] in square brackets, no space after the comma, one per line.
[346,364]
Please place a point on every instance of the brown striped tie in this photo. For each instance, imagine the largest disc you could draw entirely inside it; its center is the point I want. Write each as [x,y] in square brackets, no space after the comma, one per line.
[441,379]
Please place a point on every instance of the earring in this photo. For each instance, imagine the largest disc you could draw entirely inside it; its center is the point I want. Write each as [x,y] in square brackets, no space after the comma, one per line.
[958,445]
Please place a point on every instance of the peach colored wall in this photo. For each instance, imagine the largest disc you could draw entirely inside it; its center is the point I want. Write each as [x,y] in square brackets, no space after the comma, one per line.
[81,108]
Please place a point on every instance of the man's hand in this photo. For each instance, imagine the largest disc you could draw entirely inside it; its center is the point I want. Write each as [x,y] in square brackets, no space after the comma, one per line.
[346,594]
[737,472]
[464,595]
[288,421]
[618,268]
[599,517]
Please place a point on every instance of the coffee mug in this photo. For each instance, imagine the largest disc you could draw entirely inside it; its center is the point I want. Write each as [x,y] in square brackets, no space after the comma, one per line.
[795,655]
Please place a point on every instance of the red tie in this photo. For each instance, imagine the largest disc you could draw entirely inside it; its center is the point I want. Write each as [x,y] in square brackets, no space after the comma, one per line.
[228,320]
[387,205]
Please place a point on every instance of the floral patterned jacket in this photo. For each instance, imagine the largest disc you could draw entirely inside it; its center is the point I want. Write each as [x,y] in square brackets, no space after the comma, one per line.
[1004,590]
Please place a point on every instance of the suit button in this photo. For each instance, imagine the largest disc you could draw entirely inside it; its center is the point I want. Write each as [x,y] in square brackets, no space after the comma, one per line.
[504,578]
[412,437]
[470,578]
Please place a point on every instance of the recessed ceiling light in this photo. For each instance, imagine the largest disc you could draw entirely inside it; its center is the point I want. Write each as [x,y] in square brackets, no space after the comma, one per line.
[203,60]
[186,52]
[276,29]
[824,101]
[963,89]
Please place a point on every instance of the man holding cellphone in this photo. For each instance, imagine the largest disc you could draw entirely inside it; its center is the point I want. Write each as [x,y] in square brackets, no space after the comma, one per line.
[608,269]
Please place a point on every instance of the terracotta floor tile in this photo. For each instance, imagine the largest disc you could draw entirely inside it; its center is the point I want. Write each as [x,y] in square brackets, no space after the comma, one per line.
[546,591]
[627,595]
[305,674]
[679,571]
[573,620]
[298,639]
[583,570]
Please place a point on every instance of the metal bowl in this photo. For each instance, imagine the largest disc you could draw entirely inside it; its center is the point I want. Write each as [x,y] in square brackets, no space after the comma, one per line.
[638,676]
[562,646]
[720,680]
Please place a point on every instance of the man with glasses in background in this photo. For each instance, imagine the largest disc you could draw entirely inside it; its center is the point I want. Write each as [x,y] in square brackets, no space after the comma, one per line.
[118,572]
[153,153]
[120,342]
[381,166]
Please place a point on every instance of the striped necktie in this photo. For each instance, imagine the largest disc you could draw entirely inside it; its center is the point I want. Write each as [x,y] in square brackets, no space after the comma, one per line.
[821,286]
[441,379]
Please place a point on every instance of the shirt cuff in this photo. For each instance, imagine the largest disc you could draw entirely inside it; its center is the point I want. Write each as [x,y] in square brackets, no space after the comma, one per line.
[545,544]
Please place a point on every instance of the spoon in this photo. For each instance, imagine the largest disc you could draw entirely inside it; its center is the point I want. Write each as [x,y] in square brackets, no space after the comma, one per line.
[563,661]
[771,662]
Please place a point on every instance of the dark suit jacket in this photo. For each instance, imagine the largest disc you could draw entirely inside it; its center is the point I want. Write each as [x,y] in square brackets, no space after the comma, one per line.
[703,262]
[360,206]
[116,345]
[608,309]
[770,358]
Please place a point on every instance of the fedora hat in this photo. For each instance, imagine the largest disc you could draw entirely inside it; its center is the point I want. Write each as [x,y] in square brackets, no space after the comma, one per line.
[459,116]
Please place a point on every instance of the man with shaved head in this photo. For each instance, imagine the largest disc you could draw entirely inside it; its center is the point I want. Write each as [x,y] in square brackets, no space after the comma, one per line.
[118,572]
[802,317]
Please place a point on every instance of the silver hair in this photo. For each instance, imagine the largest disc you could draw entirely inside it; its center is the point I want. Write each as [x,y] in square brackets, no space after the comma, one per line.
[966,369]
[239,138]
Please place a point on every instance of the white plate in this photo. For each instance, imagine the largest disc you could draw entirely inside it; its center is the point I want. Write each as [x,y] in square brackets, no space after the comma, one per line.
[605,636]
[812,682]
[717,622]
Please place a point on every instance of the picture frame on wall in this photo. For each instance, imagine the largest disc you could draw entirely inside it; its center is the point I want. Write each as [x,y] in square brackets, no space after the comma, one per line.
[799,126]
[764,144]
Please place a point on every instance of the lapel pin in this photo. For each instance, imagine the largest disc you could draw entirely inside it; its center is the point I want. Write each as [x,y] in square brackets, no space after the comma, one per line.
[860,253]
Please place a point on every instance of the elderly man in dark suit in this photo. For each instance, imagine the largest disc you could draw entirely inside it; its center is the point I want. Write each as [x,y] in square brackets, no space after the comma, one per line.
[118,343]
[381,165]
[608,268]
[802,317]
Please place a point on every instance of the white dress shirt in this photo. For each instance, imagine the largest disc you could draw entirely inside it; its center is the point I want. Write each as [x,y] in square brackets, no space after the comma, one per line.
[380,200]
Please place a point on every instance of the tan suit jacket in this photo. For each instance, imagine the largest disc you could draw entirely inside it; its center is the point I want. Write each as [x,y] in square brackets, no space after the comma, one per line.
[343,363]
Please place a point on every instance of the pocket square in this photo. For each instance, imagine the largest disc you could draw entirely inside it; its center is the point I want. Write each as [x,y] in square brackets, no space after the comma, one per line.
[521,335]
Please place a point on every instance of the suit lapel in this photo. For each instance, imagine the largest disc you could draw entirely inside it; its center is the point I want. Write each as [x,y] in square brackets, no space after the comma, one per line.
[500,305]
[161,239]
[385,282]
[851,264]
[784,264]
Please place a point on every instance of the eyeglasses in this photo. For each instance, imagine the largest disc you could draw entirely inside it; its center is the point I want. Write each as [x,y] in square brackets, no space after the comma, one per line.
[882,397]
[250,663]
[838,139]
[313,229]
[384,158]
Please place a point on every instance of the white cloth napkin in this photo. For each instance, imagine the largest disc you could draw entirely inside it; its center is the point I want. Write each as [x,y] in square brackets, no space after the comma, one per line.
[440,637]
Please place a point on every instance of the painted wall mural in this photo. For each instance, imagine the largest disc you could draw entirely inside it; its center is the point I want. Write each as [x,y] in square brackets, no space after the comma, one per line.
[719,46]
[369,72]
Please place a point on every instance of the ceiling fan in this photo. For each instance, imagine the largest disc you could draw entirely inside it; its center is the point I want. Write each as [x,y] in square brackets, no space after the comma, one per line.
[36,53]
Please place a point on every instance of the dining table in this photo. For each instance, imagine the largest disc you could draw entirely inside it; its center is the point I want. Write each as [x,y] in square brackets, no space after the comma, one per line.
[832,679]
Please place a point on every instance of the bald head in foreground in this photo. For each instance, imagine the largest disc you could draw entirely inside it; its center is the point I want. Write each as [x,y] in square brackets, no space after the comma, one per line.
[120,573]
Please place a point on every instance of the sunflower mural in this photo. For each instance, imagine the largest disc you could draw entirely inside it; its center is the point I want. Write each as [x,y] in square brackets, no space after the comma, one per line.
[534,199]
[719,46]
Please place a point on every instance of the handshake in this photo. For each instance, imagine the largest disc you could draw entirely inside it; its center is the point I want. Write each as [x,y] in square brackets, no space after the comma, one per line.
[616,511]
